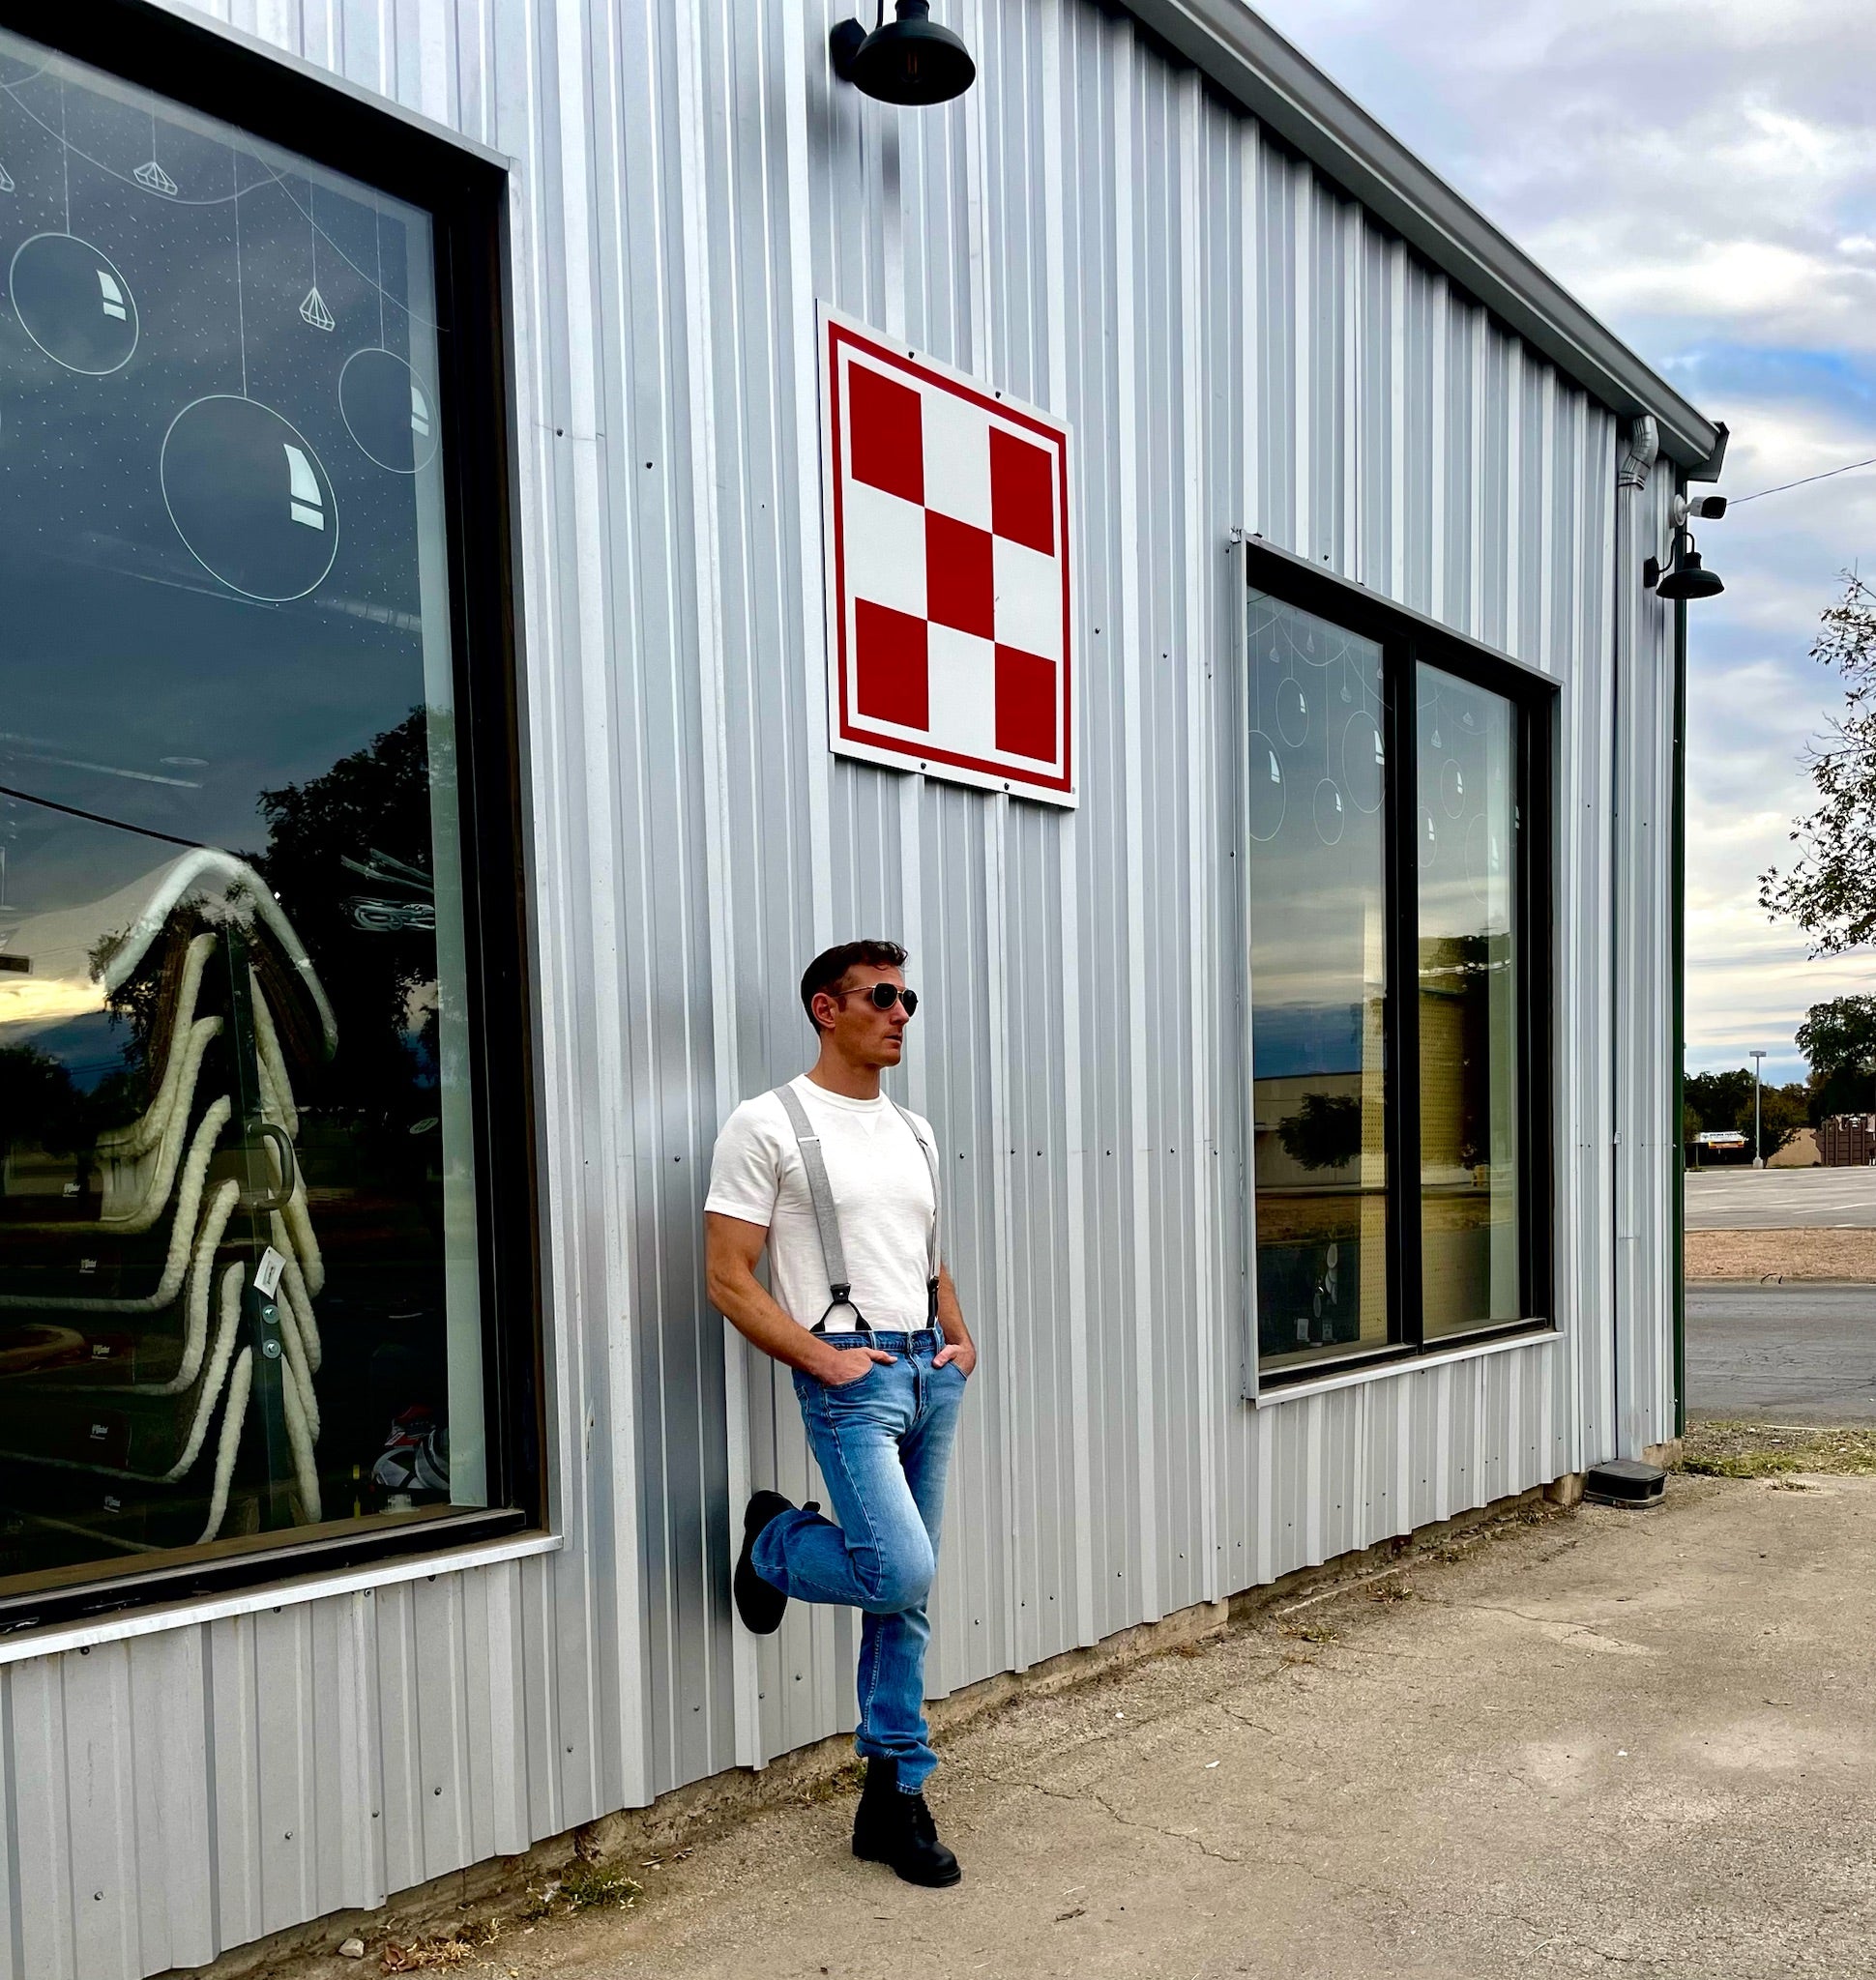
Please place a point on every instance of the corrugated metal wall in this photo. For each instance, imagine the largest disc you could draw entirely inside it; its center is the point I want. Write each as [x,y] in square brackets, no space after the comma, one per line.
[1090,229]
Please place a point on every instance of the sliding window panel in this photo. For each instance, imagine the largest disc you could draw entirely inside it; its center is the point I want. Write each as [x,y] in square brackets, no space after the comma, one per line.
[1470,990]
[1316,769]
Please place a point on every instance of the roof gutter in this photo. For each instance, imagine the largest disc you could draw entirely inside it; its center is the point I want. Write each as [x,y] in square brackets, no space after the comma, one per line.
[1254,65]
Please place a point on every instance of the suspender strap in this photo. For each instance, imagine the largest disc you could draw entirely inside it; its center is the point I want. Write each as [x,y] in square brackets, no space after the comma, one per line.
[833,1252]
[933,1253]
[821,1192]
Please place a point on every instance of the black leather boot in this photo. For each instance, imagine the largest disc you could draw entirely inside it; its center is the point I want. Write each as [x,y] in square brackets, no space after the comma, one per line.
[895,1828]
[759,1603]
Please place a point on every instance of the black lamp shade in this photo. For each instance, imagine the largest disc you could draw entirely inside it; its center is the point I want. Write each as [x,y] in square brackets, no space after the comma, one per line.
[912,60]
[1690,579]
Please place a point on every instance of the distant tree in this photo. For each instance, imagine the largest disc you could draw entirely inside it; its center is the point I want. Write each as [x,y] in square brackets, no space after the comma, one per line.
[1325,1133]
[1717,1098]
[1785,1113]
[1831,889]
[1840,1040]
[1721,1101]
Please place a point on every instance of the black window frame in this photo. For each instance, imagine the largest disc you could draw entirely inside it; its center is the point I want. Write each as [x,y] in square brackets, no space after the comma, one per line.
[282,101]
[1408,638]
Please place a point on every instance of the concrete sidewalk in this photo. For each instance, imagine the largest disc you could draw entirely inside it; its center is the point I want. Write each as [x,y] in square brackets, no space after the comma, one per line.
[1603,1741]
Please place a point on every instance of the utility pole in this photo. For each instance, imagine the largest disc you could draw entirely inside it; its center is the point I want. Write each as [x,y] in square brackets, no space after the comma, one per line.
[1758,1160]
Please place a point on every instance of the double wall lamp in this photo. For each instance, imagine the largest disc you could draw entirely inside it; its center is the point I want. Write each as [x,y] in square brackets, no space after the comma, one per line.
[1685,576]
[910,60]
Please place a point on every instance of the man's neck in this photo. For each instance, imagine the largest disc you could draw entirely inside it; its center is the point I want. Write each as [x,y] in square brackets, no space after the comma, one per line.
[840,1075]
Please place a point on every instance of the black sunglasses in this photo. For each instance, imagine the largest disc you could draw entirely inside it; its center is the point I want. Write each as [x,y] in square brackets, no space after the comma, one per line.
[883,997]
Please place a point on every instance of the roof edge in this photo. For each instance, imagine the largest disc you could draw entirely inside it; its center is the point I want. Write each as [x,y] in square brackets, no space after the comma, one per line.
[1281,87]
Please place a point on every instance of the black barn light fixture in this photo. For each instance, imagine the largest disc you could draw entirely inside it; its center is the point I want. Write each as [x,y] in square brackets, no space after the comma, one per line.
[911,59]
[1686,577]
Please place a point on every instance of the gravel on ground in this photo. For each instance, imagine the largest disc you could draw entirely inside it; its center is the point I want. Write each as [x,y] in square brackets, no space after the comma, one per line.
[1809,1253]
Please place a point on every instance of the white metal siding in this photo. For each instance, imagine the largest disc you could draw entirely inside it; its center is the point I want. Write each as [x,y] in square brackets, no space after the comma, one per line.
[1095,230]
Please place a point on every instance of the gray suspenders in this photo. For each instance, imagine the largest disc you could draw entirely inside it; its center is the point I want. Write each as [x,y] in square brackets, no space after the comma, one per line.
[833,1251]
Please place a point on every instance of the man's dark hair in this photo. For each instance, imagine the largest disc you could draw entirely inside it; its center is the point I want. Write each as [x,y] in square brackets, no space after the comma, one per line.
[828,968]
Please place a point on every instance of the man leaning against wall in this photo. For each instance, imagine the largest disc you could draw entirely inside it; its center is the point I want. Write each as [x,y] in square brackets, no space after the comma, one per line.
[839,1185]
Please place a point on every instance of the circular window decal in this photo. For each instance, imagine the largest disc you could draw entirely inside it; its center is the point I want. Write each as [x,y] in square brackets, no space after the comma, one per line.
[1268,796]
[387,410]
[1292,711]
[72,301]
[1453,788]
[1362,763]
[1331,819]
[249,498]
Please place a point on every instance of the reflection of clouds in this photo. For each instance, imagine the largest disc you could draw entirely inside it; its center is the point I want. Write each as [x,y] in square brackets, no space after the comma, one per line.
[1752,288]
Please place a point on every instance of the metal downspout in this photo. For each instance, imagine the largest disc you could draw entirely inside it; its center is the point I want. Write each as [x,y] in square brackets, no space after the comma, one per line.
[1631,480]
[1678,936]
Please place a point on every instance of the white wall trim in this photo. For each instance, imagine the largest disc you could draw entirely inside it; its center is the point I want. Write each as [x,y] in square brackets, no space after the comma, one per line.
[1383,1371]
[55,1640]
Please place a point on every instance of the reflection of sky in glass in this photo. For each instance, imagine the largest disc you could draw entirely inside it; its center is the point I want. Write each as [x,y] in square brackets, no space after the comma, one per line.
[133,681]
[1465,807]
[1315,780]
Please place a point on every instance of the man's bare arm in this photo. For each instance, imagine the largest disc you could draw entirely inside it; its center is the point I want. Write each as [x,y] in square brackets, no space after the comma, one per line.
[731,1247]
[958,1345]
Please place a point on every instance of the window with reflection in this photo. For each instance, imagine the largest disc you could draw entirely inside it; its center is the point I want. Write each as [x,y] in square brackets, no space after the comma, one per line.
[239,1255]
[1319,981]
[1397,1116]
[1469,1005]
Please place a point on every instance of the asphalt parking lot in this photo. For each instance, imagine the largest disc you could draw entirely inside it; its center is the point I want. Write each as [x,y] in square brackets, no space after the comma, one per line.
[1780,1199]
[1791,1353]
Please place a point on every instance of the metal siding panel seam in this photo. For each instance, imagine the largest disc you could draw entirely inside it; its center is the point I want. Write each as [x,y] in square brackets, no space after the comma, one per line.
[1079,1514]
[1202,558]
[234,1750]
[41,1839]
[1145,1598]
[13,1961]
[173,1832]
[91,1691]
[701,349]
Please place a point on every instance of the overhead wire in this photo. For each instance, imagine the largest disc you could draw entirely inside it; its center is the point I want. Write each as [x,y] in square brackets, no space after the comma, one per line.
[1804,480]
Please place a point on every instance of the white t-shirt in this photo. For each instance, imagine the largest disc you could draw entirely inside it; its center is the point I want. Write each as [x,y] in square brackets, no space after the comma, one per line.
[882,1194]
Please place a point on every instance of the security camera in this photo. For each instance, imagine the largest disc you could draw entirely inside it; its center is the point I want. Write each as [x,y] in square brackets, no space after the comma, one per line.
[1709,506]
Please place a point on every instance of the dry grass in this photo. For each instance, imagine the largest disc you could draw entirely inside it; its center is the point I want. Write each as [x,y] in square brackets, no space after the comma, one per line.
[1807,1254]
[1770,1450]
[433,1955]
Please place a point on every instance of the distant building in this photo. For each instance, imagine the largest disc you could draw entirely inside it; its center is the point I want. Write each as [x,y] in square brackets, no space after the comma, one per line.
[1801,1151]
[1847,1141]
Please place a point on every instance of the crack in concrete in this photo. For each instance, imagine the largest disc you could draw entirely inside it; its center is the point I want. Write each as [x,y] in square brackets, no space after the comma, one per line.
[1126,1821]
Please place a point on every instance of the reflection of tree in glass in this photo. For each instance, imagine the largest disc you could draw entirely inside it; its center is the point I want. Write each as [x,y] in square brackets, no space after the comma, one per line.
[372,808]
[40,1105]
[1325,1133]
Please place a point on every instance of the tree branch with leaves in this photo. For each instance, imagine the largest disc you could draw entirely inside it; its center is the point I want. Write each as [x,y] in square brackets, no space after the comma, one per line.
[1831,889]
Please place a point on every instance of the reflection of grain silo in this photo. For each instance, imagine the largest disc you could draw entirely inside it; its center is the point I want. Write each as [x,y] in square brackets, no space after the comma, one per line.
[1468,1128]
[1321,1170]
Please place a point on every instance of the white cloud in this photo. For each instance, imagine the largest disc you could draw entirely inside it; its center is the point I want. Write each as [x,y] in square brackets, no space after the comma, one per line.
[1706,180]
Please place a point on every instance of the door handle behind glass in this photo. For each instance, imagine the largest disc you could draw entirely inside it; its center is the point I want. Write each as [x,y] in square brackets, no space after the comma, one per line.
[274,1199]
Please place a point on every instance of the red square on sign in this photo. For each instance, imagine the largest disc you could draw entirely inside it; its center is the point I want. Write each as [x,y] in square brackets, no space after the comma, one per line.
[960,576]
[886,428]
[892,677]
[1022,492]
[1025,704]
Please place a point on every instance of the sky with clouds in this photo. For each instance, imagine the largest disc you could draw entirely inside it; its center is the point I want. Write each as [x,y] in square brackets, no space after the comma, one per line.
[1704,178]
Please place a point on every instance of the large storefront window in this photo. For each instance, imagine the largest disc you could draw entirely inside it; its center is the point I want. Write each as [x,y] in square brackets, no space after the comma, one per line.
[1395,1136]
[239,1258]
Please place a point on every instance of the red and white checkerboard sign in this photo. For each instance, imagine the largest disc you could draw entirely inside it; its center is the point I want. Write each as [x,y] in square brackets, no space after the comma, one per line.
[946,512]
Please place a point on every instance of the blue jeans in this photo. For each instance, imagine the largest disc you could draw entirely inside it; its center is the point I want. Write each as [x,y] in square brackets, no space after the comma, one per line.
[883,1444]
